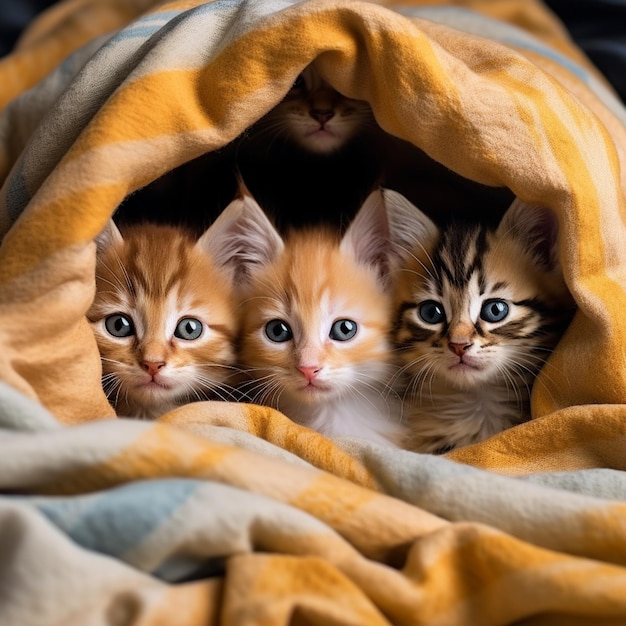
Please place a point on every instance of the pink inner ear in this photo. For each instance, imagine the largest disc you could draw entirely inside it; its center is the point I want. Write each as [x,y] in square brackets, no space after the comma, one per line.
[367,237]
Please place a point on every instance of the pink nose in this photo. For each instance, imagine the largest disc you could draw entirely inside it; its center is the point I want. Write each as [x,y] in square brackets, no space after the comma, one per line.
[459,348]
[309,371]
[152,367]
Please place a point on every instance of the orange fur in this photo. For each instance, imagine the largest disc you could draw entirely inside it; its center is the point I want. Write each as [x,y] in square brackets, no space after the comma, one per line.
[311,272]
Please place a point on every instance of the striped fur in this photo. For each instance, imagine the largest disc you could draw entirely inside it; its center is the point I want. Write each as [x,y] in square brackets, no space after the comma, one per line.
[148,282]
[478,312]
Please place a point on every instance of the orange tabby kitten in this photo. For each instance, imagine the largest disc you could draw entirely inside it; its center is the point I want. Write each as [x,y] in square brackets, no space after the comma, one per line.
[478,312]
[315,321]
[163,316]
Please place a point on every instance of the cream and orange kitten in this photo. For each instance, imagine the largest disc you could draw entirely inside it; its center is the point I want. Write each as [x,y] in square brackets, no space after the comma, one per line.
[315,321]
[479,310]
[163,317]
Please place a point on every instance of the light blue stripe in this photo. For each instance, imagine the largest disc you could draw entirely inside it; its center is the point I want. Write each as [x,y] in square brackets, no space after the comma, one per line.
[116,521]
[144,27]
[550,53]
[161,18]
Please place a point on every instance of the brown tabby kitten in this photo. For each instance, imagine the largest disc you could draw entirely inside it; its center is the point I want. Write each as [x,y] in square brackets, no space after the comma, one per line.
[164,318]
[315,321]
[478,313]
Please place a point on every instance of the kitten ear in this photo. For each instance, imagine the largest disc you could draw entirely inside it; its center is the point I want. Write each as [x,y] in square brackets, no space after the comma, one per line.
[109,236]
[241,239]
[367,237]
[536,227]
[409,227]
[386,230]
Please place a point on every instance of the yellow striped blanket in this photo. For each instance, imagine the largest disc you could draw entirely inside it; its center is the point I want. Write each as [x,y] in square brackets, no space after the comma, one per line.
[224,513]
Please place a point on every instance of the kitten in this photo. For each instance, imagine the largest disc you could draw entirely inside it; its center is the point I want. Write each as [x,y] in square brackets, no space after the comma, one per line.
[163,317]
[478,312]
[315,321]
[316,116]
[316,140]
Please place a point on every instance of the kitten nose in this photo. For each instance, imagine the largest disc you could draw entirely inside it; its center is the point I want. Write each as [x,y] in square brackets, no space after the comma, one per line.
[459,348]
[309,371]
[152,367]
[322,115]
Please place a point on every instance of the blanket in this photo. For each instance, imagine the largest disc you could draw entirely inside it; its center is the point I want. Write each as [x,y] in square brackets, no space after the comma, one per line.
[230,513]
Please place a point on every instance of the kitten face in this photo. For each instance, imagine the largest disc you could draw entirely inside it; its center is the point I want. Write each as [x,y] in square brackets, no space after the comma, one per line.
[314,323]
[316,117]
[478,307]
[163,319]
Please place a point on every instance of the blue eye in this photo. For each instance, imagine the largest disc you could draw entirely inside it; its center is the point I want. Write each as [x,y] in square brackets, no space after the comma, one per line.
[119,325]
[432,312]
[278,331]
[343,330]
[188,328]
[494,310]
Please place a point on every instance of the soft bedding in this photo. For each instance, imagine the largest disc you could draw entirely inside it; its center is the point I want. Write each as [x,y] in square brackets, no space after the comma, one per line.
[226,513]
